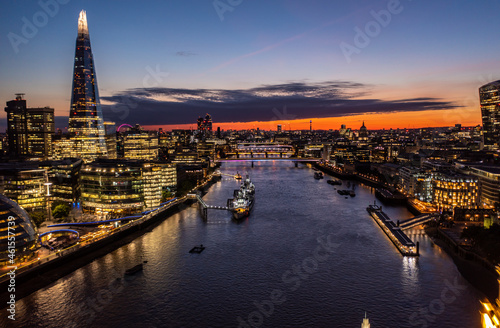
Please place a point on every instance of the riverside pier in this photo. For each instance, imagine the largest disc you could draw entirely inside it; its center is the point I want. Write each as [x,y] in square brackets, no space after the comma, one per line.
[402,242]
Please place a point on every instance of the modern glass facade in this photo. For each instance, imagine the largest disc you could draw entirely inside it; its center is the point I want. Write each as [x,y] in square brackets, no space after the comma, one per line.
[85,117]
[489,96]
[113,188]
[24,185]
[25,232]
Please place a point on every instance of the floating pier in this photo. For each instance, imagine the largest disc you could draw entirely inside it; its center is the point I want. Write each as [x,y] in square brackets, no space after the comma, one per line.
[402,242]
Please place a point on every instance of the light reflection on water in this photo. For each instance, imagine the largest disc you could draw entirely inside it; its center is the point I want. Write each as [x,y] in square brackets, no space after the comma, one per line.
[244,262]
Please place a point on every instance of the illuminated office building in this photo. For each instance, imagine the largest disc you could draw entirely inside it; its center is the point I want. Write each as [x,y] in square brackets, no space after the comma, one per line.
[29,130]
[140,144]
[489,96]
[85,117]
[113,188]
[452,190]
[24,184]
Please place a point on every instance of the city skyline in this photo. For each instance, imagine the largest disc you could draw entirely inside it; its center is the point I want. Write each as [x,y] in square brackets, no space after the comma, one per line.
[396,73]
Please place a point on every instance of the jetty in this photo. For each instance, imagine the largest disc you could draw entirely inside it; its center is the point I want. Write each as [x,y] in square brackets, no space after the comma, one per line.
[402,242]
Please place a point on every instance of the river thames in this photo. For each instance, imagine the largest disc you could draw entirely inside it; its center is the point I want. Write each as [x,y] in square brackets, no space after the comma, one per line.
[306,257]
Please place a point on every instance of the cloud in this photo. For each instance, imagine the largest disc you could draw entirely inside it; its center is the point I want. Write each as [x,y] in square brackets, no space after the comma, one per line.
[165,106]
[185,53]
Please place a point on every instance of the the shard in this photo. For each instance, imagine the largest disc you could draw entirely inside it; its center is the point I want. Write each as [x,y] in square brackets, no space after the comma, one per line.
[85,117]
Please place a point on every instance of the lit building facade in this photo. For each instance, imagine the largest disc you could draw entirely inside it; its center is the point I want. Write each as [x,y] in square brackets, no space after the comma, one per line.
[24,185]
[85,117]
[205,124]
[29,130]
[65,178]
[489,97]
[489,178]
[416,183]
[140,144]
[454,190]
[112,188]
[490,313]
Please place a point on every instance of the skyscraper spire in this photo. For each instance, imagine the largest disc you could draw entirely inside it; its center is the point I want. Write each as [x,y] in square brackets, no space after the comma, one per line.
[85,117]
[82,23]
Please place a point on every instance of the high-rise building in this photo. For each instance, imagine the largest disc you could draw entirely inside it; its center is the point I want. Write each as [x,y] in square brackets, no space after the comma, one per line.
[29,130]
[489,96]
[205,124]
[85,117]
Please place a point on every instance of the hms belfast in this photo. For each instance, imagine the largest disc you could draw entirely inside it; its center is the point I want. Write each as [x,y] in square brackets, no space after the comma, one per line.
[243,200]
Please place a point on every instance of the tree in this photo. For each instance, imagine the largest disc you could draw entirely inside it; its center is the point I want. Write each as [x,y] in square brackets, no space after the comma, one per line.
[61,211]
[38,217]
[166,195]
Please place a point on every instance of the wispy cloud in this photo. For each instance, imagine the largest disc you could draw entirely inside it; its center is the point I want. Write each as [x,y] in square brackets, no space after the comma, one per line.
[164,106]
[185,53]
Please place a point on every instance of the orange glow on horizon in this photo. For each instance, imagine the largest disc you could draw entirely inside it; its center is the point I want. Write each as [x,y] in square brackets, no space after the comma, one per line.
[401,120]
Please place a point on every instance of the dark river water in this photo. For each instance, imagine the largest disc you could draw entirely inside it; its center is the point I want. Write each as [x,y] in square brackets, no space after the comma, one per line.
[306,257]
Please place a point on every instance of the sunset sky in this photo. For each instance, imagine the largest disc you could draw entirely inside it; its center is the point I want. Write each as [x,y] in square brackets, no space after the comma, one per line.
[259,63]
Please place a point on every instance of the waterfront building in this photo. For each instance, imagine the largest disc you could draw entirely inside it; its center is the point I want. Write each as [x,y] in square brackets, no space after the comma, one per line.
[25,233]
[489,97]
[206,150]
[416,182]
[112,188]
[29,130]
[24,184]
[489,183]
[451,190]
[85,117]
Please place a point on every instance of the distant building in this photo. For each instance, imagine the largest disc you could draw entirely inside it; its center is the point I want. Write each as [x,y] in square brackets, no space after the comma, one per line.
[85,116]
[279,128]
[29,130]
[205,124]
[363,132]
[140,144]
[489,96]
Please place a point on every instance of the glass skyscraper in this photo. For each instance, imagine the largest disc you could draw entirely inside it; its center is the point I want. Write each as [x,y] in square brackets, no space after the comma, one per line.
[85,117]
[489,96]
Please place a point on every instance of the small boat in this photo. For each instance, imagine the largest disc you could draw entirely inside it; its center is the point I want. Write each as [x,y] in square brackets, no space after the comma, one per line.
[352,193]
[237,176]
[133,270]
[197,249]
[318,175]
